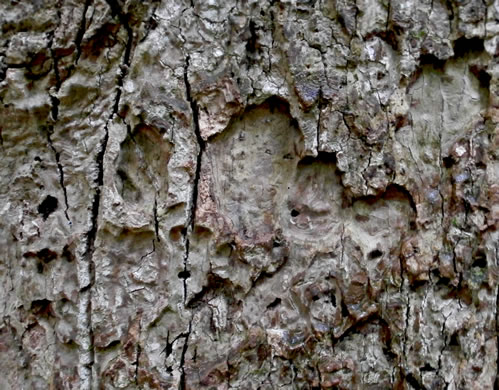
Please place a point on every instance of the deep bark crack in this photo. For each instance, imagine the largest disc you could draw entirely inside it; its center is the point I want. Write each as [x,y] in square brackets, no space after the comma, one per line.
[182,356]
[185,274]
[92,233]
[60,169]
[54,111]
[138,353]
[81,31]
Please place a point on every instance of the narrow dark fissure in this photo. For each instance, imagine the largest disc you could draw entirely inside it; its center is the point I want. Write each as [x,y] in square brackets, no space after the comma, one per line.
[185,274]
[182,385]
[60,170]
[92,233]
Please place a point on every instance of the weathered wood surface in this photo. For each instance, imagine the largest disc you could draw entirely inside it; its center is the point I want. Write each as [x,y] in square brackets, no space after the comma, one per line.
[249,194]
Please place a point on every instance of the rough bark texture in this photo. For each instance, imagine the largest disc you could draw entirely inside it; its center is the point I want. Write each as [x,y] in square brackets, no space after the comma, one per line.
[249,194]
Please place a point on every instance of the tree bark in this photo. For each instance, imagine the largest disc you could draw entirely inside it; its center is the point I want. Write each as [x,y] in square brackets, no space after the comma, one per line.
[295,194]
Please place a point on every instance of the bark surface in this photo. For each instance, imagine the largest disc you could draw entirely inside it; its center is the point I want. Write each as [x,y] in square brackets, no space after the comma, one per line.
[294,194]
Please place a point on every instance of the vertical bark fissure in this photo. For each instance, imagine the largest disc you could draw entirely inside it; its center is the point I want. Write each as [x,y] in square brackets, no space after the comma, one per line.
[60,170]
[155,216]
[67,77]
[54,111]
[201,145]
[182,384]
[138,353]
[81,30]
[92,233]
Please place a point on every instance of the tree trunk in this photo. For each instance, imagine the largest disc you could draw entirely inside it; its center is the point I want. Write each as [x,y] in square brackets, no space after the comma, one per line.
[295,194]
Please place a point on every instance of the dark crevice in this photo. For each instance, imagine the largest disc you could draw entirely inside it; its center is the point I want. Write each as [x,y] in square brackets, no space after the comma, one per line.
[156,222]
[150,24]
[185,274]
[252,45]
[169,346]
[427,368]
[427,59]
[54,101]
[215,285]
[201,144]
[60,169]
[390,36]
[344,309]
[454,340]
[393,191]
[116,10]
[54,107]
[48,206]
[448,161]
[92,233]
[276,302]
[375,254]
[322,157]
[444,336]
[480,260]
[182,357]
[464,46]
[320,107]
[413,382]
[138,353]
[81,30]
[54,112]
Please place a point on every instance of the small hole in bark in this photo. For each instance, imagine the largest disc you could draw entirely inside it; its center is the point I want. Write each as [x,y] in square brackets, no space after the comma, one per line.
[442,280]
[41,307]
[454,341]
[375,254]
[333,300]
[295,213]
[389,354]
[274,303]
[464,46]
[480,260]
[416,284]
[482,75]
[48,206]
[46,255]
[323,157]
[184,274]
[38,159]
[427,367]
[411,379]
[344,310]
[431,60]
[448,161]
[67,254]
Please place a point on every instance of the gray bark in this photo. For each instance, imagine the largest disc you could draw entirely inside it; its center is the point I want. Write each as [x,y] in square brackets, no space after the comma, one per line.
[249,194]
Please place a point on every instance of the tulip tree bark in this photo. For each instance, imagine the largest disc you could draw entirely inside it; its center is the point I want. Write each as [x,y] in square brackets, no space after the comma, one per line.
[274,194]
